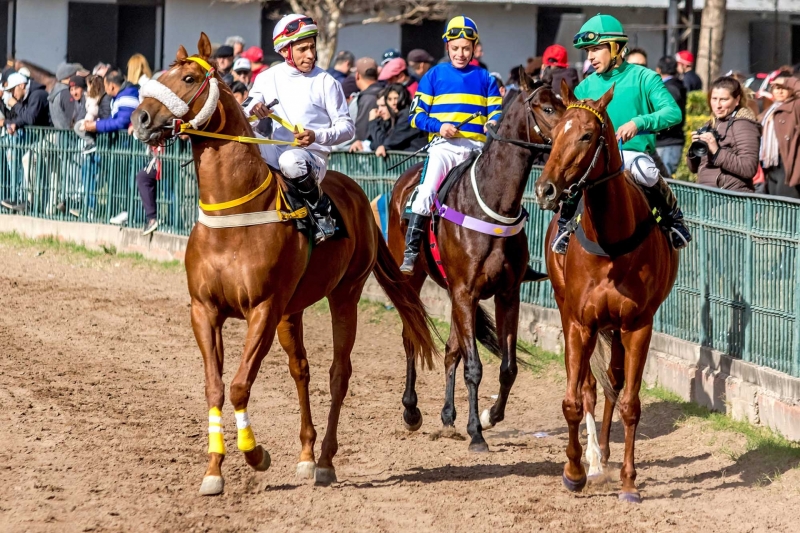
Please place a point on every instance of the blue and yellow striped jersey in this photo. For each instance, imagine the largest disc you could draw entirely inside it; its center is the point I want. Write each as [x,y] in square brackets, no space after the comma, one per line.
[449,95]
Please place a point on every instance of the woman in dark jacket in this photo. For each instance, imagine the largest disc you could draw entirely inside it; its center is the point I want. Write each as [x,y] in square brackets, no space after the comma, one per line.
[401,136]
[732,161]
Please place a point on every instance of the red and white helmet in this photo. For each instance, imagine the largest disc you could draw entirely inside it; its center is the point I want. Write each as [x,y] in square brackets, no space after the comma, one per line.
[291,28]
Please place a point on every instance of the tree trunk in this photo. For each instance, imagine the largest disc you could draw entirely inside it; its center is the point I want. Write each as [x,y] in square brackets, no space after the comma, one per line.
[327,40]
[712,37]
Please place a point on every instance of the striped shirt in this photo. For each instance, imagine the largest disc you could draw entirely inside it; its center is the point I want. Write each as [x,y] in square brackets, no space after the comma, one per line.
[449,95]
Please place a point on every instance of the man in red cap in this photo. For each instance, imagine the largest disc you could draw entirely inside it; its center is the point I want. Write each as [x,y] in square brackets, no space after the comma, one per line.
[396,71]
[256,57]
[555,67]
[691,81]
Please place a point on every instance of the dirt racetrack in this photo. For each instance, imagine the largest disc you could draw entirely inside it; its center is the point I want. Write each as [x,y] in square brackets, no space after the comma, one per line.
[104,429]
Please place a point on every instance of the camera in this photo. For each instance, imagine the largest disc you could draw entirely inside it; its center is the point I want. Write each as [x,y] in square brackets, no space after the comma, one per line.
[699,148]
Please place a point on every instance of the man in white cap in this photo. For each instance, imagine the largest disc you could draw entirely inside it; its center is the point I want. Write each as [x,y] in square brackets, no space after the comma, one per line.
[307,97]
[26,101]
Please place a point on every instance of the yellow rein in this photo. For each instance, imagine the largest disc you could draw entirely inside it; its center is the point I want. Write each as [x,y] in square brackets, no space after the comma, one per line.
[280,200]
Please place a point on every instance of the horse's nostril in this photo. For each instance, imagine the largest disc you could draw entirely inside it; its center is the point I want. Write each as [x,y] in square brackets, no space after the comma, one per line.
[549,191]
[144,118]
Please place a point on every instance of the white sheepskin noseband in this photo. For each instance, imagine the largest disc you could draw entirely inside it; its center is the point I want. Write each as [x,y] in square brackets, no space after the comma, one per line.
[179,108]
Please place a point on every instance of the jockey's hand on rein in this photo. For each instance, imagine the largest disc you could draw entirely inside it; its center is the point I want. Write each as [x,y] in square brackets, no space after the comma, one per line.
[305,138]
[261,111]
[627,131]
[448,131]
[492,123]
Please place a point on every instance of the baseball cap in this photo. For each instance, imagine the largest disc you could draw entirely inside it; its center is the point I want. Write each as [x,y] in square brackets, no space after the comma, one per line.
[67,70]
[555,55]
[15,79]
[392,68]
[224,51]
[389,54]
[367,68]
[685,57]
[418,55]
[77,81]
[242,64]
[254,54]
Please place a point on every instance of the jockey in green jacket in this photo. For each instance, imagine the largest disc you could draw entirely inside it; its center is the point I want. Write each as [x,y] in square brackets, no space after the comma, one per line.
[641,106]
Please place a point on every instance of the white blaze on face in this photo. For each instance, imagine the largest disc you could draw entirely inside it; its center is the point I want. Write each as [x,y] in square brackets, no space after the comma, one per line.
[567,126]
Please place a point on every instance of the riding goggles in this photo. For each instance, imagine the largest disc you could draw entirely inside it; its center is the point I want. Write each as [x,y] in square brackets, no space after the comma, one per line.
[591,37]
[295,26]
[458,33]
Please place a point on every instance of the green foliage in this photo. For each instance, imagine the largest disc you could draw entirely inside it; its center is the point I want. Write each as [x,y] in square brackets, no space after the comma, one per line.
[697,104]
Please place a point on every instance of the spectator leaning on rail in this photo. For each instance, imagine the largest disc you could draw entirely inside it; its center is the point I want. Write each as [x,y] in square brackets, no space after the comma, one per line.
[366,100]
[727,154]
[401,135]
[26,101]
[125,98]
[62,106]
[669,142]
[780,145]
[641,107]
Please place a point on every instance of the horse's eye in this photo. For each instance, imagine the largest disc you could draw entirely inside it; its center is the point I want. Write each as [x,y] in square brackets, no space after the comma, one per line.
[549,110]
[586,137]
[188,79]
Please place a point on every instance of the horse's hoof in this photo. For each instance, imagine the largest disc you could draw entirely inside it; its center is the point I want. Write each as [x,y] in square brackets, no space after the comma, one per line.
[306,469]
[324,476]
[573,486]
[479,447]
[266,461]
[212,485]
[630,497]
[415,426]
[486,419]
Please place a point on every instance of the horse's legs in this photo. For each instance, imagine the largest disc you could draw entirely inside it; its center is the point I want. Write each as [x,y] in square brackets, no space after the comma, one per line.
[207,326]
[261,323]
[593,454]
[344,317]
[507,317]
[452,356]
[412,418]
[579,345]
[616,376]
[636,344]
[290,335]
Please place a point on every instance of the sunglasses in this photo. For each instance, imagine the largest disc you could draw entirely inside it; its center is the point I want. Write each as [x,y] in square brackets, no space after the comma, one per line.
[295,25]
[466,33]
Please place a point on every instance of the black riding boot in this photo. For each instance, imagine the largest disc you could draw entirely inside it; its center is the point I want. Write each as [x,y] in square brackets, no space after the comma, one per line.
[320,206]
[416,229]
[561,240]
[669,215]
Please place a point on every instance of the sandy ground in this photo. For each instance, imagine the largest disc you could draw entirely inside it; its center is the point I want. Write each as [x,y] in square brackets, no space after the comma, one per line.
[104,429]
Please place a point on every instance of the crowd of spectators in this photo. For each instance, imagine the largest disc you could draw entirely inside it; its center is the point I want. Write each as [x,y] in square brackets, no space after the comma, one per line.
[750,144]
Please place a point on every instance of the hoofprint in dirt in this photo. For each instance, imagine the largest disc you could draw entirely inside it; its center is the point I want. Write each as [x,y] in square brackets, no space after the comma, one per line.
[104,429]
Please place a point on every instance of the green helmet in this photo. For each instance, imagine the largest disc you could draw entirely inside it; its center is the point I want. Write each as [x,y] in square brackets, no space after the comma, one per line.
[601,29]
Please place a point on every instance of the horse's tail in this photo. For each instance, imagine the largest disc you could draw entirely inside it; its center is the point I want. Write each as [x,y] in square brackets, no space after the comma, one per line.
[486,332]
[600,362]
[408,304]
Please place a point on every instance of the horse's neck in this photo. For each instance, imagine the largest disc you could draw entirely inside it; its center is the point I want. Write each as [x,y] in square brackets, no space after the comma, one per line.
[227,170]
[504,169]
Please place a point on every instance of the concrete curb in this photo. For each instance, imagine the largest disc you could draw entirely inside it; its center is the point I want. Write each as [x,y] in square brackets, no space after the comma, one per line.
[709,378]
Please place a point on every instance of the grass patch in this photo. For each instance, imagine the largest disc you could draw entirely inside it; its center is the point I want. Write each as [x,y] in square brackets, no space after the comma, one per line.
[538,360]
[52,244]
[767,443]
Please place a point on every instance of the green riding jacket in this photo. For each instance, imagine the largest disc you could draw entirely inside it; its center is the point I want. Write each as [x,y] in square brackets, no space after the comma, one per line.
[639,95]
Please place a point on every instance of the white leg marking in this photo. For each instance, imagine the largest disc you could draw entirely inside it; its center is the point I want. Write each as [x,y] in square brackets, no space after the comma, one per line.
[592,447]
[486,420]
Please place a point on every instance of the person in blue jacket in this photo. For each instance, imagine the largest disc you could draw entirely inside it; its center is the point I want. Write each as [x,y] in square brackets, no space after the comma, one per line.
[448,94]
[125,98]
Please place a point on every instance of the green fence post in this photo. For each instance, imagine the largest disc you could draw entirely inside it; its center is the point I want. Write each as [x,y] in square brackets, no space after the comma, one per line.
[747,287]
[703,274]
[795,370]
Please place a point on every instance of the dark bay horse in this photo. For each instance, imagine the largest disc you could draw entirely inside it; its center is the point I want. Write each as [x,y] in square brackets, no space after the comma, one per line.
[477,265]
[614,295]
[265,273]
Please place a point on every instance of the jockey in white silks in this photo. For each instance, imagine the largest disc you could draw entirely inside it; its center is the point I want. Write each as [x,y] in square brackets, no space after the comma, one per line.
[307,97]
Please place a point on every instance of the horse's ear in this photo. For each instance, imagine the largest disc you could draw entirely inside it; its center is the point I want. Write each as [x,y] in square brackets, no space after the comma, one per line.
[567,95]
[204,46]
[182,53]
[525,81]
[606,98]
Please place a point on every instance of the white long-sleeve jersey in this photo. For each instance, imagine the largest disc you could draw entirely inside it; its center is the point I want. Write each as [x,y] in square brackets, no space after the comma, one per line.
[314,100]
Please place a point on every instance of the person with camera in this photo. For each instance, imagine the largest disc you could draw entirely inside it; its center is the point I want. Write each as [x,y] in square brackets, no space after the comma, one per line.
[724,152]
[780,145]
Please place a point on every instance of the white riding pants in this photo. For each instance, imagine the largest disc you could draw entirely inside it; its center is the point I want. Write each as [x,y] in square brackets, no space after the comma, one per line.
[442,157]
[642,167]
[294,162]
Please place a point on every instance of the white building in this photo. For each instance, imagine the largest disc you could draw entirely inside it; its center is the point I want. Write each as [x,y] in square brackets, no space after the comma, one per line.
[47,32]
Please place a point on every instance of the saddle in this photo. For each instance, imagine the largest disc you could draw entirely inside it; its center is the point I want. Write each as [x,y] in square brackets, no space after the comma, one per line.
[306,225]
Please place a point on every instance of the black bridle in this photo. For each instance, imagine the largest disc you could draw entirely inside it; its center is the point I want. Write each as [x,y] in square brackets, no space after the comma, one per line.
[526,144]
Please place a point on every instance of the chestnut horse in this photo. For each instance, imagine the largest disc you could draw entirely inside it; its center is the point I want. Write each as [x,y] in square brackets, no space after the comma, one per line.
[477,265]
[266,273]
[614,295]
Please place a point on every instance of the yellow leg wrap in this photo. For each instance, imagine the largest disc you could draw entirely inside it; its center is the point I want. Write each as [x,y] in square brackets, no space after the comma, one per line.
[216,439]
[246,440]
